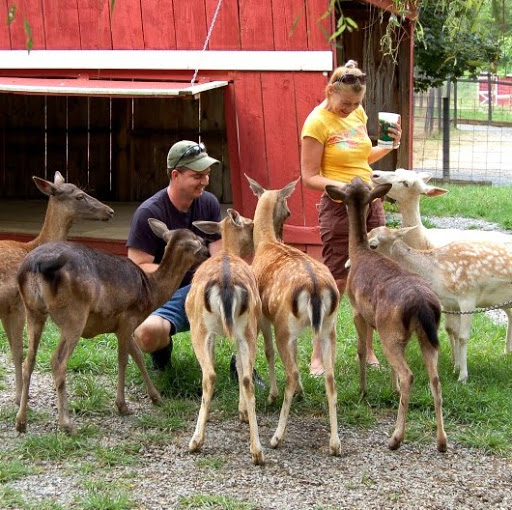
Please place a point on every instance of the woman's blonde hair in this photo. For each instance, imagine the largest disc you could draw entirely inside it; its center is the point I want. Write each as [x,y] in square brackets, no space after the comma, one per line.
[356,81]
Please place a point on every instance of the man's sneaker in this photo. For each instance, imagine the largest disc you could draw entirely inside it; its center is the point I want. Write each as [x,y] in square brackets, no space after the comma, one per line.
[258,381]
[162,358]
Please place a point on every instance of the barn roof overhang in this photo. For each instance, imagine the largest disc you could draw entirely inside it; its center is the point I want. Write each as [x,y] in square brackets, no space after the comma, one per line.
[105,88]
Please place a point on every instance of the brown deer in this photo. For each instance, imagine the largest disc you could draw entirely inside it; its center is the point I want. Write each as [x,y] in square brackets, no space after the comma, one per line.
[296,291]
[392,300]
[66,204]
[88,292]
[224,300]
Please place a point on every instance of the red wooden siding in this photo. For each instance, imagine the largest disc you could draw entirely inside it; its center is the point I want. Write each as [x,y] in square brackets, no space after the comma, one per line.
[30,11]
[226,32]
[190,24]
[166,24]
[159,24]
[280,118]
[94,19]
[61,29]
[126,21]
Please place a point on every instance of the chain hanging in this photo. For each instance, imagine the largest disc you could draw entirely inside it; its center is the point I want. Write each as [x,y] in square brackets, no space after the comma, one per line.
[506,304]
[208,35]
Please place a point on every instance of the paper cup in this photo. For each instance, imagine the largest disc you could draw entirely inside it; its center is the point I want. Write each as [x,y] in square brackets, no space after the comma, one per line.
[386,120]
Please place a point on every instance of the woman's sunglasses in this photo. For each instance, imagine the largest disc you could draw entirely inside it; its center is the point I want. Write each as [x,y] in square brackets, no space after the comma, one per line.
[350,79]
[193,150]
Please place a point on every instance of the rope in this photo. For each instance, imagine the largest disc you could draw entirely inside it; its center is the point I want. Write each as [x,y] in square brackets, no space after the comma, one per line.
[207,40]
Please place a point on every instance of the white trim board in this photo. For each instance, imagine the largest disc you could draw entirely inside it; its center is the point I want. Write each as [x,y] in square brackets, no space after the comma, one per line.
[168,60]
[105,88]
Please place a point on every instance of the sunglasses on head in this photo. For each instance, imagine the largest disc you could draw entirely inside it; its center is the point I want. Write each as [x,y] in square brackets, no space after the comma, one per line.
[193,150]
[350,78]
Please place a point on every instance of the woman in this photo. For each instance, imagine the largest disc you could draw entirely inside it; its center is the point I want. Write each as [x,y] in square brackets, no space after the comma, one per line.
[335,149]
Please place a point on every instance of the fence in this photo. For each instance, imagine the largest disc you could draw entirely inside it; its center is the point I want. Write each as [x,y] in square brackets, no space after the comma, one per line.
[463,131]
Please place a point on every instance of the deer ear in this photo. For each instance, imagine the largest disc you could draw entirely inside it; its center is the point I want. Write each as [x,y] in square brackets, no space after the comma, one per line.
[379,191]
[46,187]
[335,192]
[404,230]
[58,179]
[433,191]
[235,217]
[208,227]
[256,188]
[158,227]
[288,189]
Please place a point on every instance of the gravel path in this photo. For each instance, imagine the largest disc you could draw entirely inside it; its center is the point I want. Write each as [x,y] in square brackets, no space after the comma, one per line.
[300,475]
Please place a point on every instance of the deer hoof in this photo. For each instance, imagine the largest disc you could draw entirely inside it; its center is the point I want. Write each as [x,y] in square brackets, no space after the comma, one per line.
[276,441]
[157,399]
[258,458]
[442,445]
[21,426]
[335,448]
[194,445]
[123,409]
[394,443]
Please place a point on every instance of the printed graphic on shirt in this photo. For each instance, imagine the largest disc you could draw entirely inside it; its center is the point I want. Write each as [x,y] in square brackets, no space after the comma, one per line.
[349,138]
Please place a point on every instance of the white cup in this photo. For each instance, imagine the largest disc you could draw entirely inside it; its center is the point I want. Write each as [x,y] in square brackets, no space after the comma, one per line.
[387,120]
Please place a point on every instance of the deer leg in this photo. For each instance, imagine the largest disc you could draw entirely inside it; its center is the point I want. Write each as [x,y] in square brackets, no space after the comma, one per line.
[430,355]
[508,344]
[123,347]
[246,354]
[452,327]
[286,351]
[465,329]
[35,325]
[362,333]
[266,330]
[328,342]
[202,342]
[68,341]
[13,325]
[136,354]
[394,351]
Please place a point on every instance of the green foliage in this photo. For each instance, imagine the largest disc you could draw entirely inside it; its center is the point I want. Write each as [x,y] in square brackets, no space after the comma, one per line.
[451,44]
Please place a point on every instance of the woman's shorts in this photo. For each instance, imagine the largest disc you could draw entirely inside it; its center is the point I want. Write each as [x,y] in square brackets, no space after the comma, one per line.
[333,220]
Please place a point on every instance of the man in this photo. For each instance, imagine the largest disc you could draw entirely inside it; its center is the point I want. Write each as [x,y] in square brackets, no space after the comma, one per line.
[183,201]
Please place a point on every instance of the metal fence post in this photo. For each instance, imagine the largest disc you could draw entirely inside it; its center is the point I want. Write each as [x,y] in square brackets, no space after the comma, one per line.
[446,138]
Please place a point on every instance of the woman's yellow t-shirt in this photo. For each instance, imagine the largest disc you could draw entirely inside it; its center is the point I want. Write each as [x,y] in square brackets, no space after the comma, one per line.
[346,143]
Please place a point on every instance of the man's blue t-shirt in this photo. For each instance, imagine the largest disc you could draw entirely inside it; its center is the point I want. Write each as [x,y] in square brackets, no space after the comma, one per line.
[158,206]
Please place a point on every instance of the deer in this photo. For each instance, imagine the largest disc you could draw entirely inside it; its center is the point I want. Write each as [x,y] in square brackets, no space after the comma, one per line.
[407,188]
[394,301]
[88,292]
[224,300]
[464,274]
[67,203]
[297,291]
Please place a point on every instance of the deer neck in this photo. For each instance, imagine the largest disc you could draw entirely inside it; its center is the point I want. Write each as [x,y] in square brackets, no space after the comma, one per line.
[357,235]
[169,274]
[414,260]
[56,226]
[264,220]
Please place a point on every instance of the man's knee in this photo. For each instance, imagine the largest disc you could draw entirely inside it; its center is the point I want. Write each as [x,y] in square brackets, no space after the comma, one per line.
[152,334]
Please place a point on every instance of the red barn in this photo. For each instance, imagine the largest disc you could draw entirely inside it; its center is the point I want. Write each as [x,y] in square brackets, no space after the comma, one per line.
[107,87]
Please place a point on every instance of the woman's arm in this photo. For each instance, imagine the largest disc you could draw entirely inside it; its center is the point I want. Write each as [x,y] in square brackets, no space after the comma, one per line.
[311,165]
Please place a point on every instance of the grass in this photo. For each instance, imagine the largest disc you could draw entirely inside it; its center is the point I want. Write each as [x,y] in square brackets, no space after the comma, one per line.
[477,414]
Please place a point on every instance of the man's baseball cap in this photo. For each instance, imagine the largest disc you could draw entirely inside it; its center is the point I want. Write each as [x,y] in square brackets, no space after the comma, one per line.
[189,154]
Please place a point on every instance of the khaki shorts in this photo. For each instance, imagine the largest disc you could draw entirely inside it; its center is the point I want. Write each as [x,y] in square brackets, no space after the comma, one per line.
[333,220]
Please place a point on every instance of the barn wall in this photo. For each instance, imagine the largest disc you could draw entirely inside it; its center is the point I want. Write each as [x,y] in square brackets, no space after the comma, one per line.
[263,111]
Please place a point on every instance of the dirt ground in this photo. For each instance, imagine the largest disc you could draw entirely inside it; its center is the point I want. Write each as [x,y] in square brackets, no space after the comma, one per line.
[300,475]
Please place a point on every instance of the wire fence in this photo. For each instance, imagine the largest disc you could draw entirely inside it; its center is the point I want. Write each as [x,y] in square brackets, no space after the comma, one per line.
[463,131]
